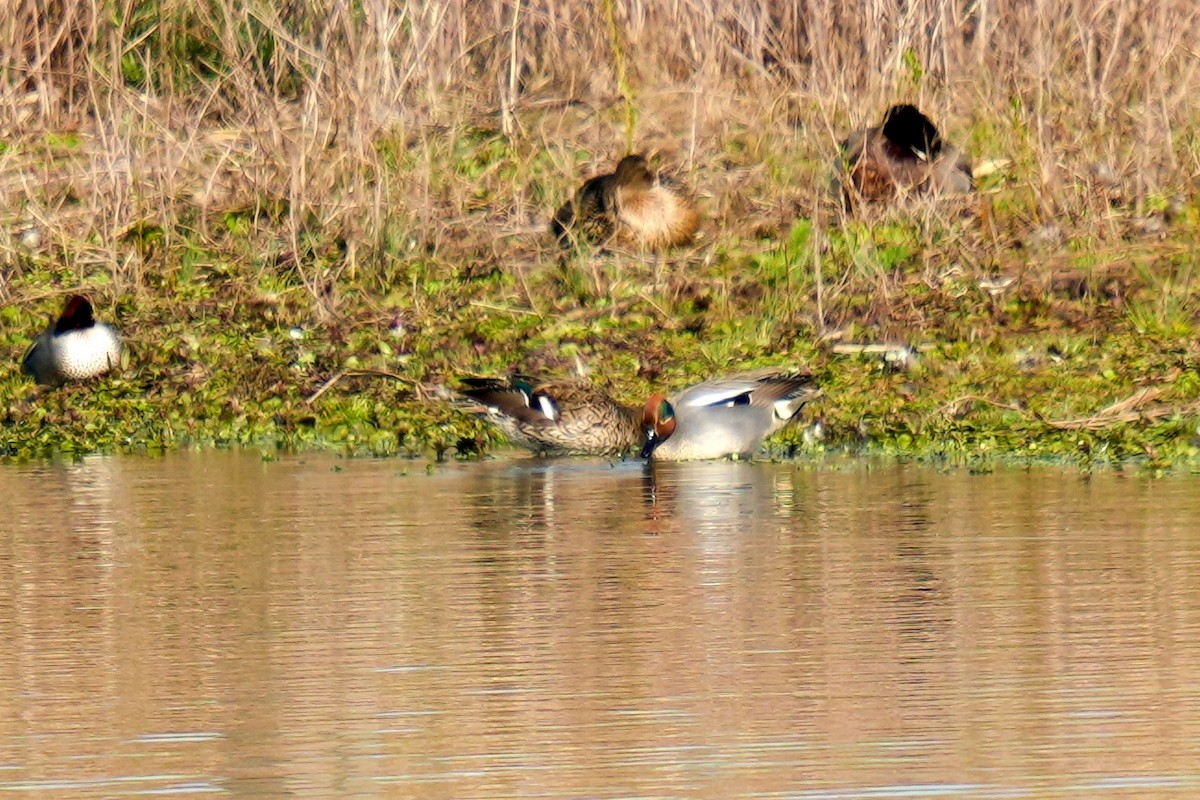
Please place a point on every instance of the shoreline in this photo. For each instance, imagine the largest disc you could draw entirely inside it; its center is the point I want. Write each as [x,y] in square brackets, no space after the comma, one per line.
[865,460]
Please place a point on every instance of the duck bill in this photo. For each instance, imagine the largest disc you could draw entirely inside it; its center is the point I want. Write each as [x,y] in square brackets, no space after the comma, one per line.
[652,442]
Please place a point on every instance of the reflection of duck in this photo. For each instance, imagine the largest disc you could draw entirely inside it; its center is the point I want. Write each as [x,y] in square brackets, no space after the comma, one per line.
[725,416]
[75,347]
[631,203]
[715,503]
[904,154]
[556,418]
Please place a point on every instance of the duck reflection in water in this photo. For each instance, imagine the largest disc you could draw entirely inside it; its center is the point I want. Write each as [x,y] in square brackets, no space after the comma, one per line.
[715,496]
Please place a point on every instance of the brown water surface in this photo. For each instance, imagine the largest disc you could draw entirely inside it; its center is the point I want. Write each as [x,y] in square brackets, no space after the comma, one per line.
[315,627]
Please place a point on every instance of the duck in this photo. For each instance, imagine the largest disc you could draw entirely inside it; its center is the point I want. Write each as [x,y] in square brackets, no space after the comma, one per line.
[75,347]
[724,417]
[905,153]
[569,417]
[631,205]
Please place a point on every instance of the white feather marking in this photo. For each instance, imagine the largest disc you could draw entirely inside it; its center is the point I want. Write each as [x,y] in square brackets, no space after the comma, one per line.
[719,395]
[547,407]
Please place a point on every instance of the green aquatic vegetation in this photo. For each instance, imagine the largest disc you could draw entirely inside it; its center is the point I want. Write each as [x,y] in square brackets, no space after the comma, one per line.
[229,374]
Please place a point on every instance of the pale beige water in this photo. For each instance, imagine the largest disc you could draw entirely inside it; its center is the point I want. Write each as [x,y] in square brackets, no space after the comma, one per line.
[313,627]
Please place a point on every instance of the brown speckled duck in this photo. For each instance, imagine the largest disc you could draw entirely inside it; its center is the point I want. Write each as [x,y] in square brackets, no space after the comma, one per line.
[75,347]
[556,418]
[632,206]
[906,153]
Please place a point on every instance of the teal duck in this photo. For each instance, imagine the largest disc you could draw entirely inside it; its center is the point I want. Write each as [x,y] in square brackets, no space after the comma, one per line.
[724,417]
[632,206]
[75,347]
[906,153]
[556,418]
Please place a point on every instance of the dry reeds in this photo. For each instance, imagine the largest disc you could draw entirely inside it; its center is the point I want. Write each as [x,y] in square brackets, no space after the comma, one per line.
[402,128]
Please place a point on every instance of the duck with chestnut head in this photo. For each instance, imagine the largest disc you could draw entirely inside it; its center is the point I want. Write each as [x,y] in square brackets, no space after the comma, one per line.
[905,154]
[717,418]
[725,416]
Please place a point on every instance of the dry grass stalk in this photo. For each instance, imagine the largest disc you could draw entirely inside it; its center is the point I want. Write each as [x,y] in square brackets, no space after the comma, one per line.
[434,125]
[1131,409]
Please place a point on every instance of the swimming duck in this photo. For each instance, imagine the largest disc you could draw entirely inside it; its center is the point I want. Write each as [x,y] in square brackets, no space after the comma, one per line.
[904,154]
[557,418]
[73,348]
[725,416]
[632,204]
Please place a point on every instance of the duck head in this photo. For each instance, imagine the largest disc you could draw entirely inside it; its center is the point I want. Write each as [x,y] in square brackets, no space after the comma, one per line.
[658,421]
[76,315]
[913,133]
[633,171]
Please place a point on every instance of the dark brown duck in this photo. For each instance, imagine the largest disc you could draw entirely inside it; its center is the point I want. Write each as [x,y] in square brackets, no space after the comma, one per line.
[905,154]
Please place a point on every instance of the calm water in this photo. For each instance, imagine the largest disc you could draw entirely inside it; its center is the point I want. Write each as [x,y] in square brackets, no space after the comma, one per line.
[313,627]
